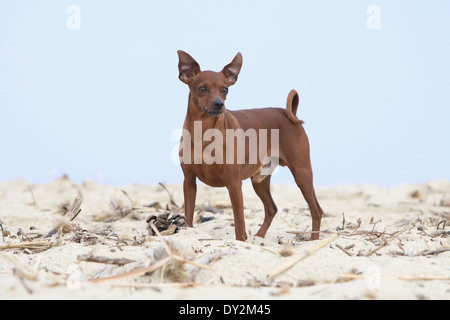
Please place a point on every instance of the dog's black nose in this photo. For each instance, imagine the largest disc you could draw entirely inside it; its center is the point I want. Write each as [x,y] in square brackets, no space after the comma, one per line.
[218,104]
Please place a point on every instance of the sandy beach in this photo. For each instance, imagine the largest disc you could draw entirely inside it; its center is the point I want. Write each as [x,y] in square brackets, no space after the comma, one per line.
[378,243]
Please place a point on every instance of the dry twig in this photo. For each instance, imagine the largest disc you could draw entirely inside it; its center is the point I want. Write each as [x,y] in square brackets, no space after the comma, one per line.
[343,249]
[105,260]
[302,256]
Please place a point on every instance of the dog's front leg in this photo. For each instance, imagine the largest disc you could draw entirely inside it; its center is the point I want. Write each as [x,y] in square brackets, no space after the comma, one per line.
[237,201]
[190,192]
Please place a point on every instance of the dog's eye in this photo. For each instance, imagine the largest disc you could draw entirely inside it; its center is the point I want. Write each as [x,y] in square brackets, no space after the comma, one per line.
[202,90]
[225,90]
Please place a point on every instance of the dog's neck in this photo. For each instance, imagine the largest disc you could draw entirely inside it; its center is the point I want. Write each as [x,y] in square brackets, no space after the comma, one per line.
[195,113]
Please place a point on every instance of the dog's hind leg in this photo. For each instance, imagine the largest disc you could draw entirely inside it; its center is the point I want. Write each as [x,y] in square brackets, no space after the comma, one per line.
[304,179]
[296,156]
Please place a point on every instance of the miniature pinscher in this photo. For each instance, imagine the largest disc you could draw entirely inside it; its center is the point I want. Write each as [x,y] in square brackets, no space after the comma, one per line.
[207,115]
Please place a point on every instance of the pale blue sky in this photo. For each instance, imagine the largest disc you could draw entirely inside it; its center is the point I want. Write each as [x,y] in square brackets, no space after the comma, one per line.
[102,102]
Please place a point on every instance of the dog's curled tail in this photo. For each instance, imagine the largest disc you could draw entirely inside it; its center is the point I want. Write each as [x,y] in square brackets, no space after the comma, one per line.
[292,106]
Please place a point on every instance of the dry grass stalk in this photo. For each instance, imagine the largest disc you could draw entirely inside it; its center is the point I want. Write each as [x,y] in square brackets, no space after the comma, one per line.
[64,222]
[37,244]
[24,272]
[32,196]
[385,243]
[302,256]
[105,260]
[176,257]
[170,195]
[209,259]
[134,273]
[159,264]
[431,252]
[2,232]
[351,276]
[18,273]
[157,286]
[21,269]
[347,234]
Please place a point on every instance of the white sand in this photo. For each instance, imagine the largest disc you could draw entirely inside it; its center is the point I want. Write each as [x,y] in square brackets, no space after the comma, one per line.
[241,272]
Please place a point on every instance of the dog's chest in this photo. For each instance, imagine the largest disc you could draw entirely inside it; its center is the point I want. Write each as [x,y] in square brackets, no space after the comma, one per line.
[214,175]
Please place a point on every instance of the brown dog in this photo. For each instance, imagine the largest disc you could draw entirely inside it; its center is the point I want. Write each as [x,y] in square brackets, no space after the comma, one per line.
[206,110]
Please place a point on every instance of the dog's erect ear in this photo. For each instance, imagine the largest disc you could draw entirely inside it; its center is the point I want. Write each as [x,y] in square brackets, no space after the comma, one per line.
[231,71]
[187,66]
